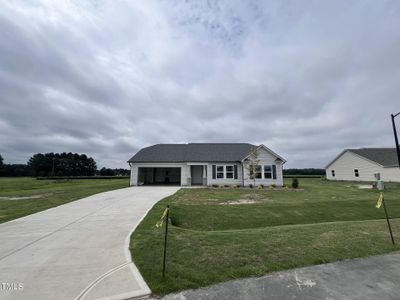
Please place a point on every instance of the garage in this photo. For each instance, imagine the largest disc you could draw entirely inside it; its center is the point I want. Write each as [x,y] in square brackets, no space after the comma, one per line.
[159,176]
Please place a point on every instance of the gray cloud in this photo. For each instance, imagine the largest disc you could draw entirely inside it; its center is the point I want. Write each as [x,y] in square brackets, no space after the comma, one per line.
[107,78]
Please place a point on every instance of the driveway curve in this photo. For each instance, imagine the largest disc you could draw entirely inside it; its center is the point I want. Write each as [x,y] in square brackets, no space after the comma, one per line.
[77,250]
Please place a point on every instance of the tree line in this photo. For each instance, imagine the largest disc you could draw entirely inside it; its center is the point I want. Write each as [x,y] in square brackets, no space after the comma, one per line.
[306,171]
[58,164]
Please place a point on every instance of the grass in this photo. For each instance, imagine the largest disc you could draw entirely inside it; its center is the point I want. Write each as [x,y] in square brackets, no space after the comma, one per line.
[211,241]
[44,194]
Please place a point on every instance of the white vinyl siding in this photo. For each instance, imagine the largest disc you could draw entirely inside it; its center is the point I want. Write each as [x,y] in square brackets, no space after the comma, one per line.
[344,169]
[266,159]
[225,179]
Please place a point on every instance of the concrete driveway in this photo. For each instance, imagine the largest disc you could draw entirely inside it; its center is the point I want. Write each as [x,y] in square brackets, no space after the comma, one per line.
[78,250]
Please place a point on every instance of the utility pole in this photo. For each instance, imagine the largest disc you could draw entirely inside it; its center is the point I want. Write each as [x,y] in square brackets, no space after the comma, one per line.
[396,138]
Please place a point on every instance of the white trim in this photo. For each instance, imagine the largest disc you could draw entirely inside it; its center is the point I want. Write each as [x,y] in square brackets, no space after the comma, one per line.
[268,150]
[272,172]
[224,172]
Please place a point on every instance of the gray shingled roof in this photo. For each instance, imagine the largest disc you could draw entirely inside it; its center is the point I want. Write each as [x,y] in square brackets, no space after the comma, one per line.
[386,157]
[193,152]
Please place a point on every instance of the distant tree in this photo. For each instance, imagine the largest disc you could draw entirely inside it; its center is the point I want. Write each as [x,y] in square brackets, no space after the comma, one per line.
[62,164]
[121,172]
[113,172]
[15,170]
[306,171]
[106,172]
[1,164]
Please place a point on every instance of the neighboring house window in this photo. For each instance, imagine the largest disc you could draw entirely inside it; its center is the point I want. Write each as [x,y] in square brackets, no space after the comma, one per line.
[333,173]
[220,171]
[356,173]
[229,171]
[267,172]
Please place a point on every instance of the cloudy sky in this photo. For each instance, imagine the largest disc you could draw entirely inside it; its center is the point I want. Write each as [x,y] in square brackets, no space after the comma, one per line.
[305,78]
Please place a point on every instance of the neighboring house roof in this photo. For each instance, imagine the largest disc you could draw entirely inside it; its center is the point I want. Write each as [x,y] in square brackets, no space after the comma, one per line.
[193,152]
[385,157]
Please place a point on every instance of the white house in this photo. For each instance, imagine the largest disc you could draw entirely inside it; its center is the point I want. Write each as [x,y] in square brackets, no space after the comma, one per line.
[204,164]
[362,164]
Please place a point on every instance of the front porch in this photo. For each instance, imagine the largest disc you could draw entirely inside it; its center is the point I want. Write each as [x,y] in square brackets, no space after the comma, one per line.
[198,174]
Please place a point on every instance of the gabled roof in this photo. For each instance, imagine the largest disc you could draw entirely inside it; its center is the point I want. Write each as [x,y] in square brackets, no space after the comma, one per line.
[268,150]
[385,157]
[194,152]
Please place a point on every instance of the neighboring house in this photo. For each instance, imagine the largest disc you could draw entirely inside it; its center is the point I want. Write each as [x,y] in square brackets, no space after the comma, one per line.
[362,164]
[204,164]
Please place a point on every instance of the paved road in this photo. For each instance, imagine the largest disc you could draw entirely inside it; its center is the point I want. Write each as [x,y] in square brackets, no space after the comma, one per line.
[370,278]
[78,250]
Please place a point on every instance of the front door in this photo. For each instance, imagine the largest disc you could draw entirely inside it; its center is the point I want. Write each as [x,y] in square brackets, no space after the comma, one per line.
[197,175]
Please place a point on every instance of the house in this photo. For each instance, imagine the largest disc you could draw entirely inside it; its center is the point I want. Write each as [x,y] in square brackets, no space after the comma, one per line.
[362,164]
[204,164]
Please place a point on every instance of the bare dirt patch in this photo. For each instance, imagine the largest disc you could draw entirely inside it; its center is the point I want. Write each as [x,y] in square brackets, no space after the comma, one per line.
[240,201]
[248,199]
[25,197]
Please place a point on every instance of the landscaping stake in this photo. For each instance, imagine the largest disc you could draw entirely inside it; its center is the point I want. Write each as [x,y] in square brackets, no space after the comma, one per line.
[165,241]
[381,201]
[387,219]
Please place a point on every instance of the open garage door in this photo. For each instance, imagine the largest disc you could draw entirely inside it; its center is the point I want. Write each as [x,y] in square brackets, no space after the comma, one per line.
[159,176]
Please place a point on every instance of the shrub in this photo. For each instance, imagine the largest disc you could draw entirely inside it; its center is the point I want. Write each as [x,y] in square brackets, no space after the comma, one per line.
[221,186]
[250,185]
[261,186]
[215,185]
[295,183]
[235,186]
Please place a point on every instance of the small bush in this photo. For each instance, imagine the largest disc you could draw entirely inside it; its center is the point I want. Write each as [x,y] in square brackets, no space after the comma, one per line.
[295,183]
[250,185]
[235,186]
[227,185]
[261,187]
[215,185]
[221,186]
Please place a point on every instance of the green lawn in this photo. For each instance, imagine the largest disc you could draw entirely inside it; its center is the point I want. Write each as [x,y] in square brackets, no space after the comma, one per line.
[212,241]
[43,194]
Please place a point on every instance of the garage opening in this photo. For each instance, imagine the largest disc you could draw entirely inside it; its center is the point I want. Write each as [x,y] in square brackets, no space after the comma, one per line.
[159,176]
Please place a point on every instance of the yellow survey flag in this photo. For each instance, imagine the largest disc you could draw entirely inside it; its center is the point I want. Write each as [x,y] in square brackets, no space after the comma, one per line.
[380,200]
[160,223]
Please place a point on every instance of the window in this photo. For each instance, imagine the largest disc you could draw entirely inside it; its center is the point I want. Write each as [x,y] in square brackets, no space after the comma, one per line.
[356,173]
[229,171]
[333,173]
[267,172]
[258,172]
[220,171]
